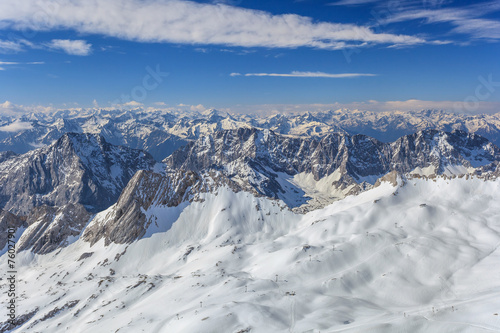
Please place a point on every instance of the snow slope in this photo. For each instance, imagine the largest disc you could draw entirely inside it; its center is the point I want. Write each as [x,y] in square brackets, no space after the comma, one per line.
[419,257]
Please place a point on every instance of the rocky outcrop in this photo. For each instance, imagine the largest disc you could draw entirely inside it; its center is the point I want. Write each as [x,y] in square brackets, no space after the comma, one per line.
[441,150]
[50,228]
[254,158]
[77,168]
[9,221]
[82,169]
[126,221]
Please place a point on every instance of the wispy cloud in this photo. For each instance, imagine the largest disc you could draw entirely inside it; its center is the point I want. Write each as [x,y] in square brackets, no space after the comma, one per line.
[190,22]
[470,20]
[351,2]
[73,47]
[11,63]
[13,46]
[306,74]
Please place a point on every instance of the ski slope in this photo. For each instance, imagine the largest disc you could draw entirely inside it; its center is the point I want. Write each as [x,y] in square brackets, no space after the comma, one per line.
[419,257]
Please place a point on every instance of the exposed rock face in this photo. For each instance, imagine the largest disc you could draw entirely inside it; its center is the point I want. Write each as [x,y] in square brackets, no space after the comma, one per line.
[263,163]
[125,221]
[254,157]
[441,151]
[50,228]
[77,168]
[83,169]
[7,221]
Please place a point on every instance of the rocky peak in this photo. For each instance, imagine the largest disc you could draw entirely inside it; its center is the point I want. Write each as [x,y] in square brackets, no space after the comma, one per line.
[288,168]
[126,221]
[254,157]
[77,168]
[441,150]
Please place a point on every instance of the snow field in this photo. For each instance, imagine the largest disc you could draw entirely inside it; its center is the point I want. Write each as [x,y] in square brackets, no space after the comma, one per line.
[420,257]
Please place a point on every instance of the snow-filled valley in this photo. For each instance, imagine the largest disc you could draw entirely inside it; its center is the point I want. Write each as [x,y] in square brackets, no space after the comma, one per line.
[421,256]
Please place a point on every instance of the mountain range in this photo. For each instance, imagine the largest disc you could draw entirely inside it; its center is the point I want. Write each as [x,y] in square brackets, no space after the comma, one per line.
[160,132]
[248,224]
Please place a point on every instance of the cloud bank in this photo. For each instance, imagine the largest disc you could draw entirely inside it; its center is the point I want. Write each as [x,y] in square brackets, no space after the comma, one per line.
[188,22]
[482,107]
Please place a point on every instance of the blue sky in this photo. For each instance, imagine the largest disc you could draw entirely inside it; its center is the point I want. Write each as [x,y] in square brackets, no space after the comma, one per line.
[246,55]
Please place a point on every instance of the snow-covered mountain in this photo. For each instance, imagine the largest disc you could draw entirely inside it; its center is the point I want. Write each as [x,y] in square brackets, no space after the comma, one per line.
[77,168]
[160,132]
[304,173]
[418,257]
[248,229]
[129,129]
[297,169]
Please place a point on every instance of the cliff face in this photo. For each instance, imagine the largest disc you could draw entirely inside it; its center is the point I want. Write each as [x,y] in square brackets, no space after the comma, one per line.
[51,228]
[305,173]
[77,168]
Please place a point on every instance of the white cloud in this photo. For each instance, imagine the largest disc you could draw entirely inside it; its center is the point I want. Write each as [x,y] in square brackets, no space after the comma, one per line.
[199,108]
[307,74]
[482,107]
[9,108]
[73,47]
[466,20]
[127,105]
[9,63]
[16,126]
[190,22]
[13,46]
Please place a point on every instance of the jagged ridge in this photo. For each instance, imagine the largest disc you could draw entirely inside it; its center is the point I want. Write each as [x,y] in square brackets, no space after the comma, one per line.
[77,168]
[266,164]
